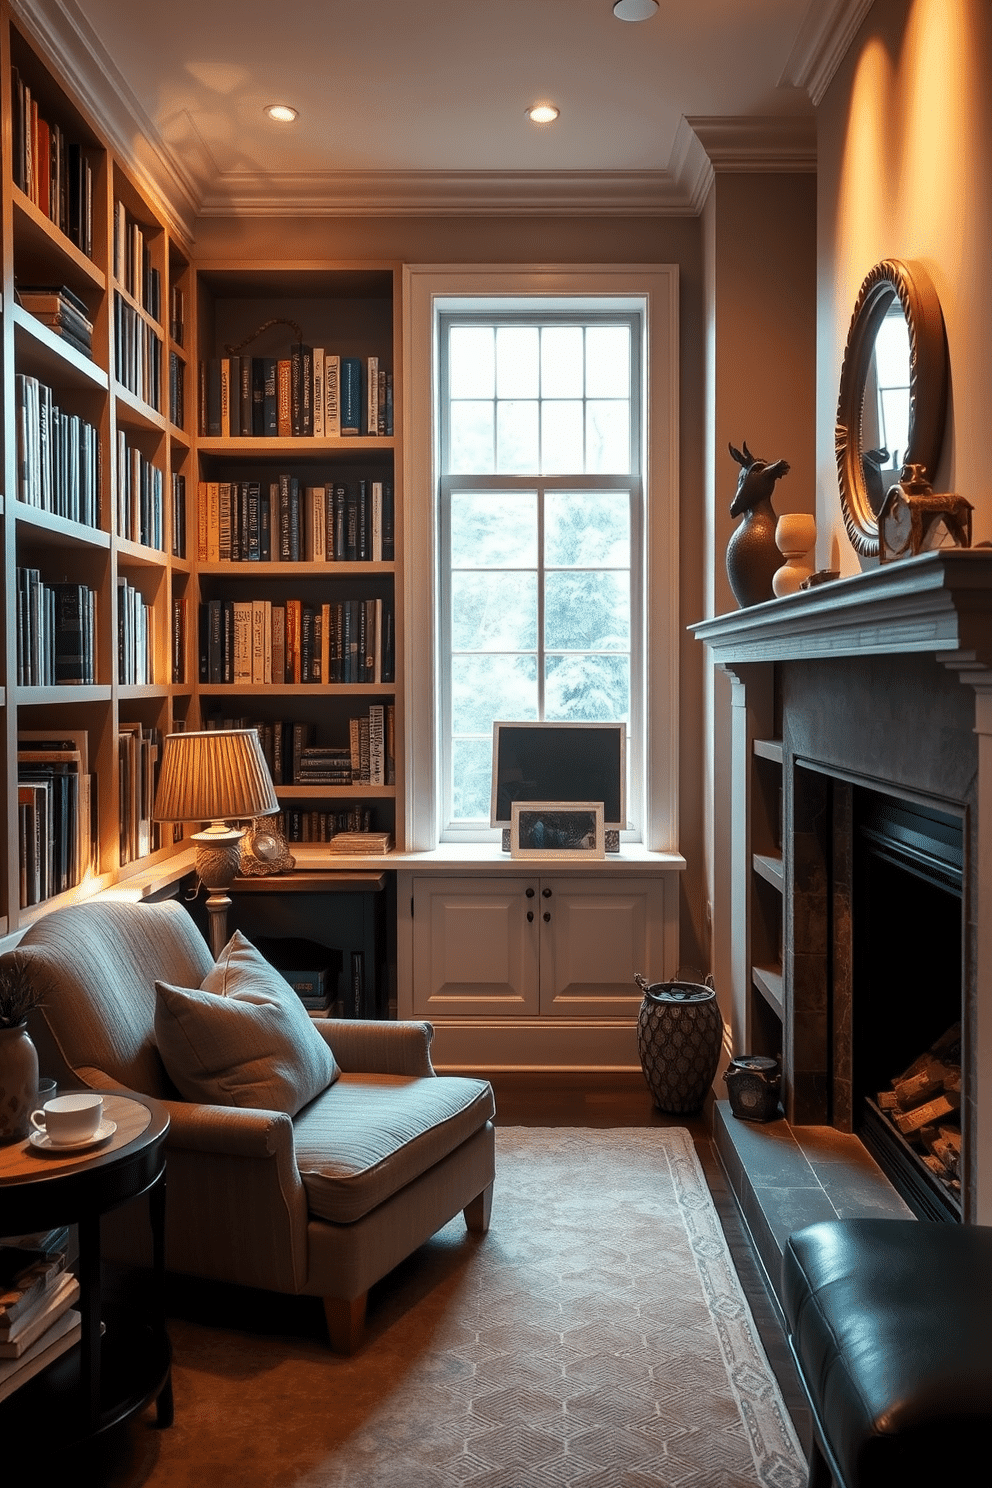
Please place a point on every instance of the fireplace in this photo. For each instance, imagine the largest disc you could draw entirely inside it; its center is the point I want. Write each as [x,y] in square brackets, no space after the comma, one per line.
[884,688]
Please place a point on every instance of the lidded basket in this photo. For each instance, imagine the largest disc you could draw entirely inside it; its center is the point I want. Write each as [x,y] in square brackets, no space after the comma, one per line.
[679,1038]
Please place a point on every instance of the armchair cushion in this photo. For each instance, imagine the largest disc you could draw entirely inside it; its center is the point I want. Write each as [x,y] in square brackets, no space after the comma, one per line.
[243,1038]
[373,1134]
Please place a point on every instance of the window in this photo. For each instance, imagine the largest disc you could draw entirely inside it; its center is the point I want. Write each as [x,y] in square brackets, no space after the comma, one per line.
[644,296]
[540,519]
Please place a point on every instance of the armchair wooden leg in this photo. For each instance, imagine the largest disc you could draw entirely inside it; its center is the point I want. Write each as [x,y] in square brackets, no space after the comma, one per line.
[345,1322]
[477,1213]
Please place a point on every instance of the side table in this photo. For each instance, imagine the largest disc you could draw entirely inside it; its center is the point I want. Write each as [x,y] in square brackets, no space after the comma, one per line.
[123,1360]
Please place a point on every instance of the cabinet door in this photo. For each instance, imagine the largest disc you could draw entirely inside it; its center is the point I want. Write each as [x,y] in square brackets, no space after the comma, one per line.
[595,934]
[474,949]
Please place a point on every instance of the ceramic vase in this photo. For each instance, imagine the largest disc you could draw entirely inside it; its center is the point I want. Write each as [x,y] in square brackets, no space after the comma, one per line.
[795,536]
[679,1038]
[18,1083]
[752,556]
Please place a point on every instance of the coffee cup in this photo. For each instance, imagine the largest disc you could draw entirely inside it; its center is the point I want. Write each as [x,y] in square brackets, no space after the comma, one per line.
[69,1118]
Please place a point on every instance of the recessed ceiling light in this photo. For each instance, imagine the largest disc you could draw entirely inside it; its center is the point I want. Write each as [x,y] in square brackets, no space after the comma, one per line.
[281,112]
[542,113]
[635,10]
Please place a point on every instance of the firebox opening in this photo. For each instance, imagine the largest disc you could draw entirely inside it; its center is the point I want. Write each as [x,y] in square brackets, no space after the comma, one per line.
[907,996]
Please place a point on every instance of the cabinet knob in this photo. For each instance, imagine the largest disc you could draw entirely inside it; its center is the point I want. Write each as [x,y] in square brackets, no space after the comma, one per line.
[530,917]
[547,918]
[546,893]
[529,893]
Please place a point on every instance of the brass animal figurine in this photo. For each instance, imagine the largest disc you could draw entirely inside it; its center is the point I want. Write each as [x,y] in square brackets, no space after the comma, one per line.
[752,556]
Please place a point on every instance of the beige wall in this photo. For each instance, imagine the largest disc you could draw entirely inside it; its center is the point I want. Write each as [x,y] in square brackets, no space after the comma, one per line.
[905,141]
[551,240]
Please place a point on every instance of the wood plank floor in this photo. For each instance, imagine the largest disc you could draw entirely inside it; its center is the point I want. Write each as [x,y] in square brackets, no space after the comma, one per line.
[604,1100]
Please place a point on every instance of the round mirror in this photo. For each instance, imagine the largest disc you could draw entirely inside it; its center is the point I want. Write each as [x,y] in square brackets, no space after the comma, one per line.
[893,393]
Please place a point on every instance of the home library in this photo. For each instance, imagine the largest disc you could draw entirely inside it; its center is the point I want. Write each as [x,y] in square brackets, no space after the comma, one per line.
[131,528]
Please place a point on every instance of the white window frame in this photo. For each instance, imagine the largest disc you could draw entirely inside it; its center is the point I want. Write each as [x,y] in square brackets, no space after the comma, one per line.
[653,289]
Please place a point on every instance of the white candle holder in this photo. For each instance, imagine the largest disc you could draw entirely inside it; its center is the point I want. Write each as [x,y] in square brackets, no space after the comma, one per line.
[795,538]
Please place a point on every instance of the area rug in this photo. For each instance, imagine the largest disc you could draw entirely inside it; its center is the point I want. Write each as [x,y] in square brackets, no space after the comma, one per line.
[597,1337]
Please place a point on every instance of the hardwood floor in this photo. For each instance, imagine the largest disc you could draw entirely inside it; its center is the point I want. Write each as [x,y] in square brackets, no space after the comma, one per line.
[593,1100]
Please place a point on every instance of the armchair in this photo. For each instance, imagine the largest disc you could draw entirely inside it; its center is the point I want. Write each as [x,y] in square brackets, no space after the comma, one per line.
[325,1202]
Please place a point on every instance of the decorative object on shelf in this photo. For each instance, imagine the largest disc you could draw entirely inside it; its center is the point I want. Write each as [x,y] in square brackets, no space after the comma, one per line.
[892,401]
[753,1084]
[217,776]
[795,536]
[679,1038]
[556,829]
[18,1055]
[822,576]
[264,849]
[752,555]
[915,519]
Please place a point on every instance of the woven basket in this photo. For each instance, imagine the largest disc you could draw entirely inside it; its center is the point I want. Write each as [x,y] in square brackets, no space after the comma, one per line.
[679,1037]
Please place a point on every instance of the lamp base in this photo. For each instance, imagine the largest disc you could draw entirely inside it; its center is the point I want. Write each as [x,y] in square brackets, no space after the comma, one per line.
[217,857]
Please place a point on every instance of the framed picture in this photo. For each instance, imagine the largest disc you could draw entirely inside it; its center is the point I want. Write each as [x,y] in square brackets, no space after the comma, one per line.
[557,829]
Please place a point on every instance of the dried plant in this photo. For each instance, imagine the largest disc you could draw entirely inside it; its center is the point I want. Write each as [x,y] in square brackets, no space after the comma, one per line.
[19,990]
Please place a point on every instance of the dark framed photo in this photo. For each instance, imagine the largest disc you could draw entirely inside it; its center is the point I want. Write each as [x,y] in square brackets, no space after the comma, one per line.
[557,829]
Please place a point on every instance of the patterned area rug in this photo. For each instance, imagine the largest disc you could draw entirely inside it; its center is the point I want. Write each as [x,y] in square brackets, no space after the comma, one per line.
[598,1337]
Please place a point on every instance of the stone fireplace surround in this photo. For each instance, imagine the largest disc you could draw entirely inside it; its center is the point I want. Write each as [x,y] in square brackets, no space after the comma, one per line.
[884,680]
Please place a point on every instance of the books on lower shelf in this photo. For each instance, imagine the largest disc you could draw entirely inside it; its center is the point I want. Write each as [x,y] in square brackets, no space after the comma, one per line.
[37,1319]
[310,393]
[139,750]
[296,757]
[284,520]
[56,631]
[135,636]
[63,312]
[137,354]
[259,642]
[55,807]
[139,496]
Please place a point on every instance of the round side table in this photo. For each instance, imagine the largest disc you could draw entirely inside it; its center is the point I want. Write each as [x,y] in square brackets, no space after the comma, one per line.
[123,1360]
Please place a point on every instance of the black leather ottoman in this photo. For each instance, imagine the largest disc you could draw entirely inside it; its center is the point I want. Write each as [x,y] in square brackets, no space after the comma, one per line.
[891,1327]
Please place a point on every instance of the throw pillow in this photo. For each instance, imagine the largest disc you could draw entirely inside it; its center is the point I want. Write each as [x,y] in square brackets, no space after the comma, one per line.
[242,1038]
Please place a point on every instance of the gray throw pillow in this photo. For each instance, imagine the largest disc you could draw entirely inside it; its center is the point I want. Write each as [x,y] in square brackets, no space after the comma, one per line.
[242,1038]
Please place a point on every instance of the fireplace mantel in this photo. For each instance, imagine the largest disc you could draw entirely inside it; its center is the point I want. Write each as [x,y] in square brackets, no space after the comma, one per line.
[939,603]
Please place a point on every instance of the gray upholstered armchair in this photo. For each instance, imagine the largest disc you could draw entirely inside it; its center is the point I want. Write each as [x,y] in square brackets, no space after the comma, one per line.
[324,1202]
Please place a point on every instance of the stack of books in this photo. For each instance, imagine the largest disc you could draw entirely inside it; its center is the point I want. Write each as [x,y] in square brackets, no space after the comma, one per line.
[62,311]
[361,842]
[37,1319]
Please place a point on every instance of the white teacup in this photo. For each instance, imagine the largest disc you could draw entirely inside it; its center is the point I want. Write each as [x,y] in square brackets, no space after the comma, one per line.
[69,1118]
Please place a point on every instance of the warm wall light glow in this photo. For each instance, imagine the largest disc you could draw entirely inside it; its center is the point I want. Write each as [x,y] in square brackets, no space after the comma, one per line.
[281,112]
[542,113]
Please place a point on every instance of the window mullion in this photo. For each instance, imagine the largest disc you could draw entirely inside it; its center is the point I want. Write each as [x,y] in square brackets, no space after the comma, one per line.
[540,600]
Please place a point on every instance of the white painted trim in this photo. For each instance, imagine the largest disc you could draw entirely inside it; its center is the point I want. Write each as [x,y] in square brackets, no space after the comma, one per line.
[769,145]
[828,29]
[423,285]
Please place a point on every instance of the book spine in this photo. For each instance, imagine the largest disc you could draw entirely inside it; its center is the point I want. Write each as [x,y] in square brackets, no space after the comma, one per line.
[351,395]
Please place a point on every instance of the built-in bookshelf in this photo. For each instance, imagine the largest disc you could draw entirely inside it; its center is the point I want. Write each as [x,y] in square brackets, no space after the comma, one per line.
[294,600]
[96,455]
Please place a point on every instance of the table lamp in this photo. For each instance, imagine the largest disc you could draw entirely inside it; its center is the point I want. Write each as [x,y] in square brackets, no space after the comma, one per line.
[217,776]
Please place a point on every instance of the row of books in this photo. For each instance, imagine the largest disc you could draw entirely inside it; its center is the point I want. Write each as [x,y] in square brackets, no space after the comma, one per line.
[309,394]
[38,1321]
[56,631]
[133,265]
[55,810]
[137,354]
[58,455]
[286,521]
[299,825]
[139,752]
[333,989]
[135,636]
[51,169]
[139,496]
[261,643]
[63,312]
[295,757]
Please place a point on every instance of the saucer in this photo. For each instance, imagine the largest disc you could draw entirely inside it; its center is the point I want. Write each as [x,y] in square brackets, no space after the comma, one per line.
[103,1132]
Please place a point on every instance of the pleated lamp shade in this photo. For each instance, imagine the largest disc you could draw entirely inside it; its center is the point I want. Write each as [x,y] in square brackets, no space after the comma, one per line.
[218,775]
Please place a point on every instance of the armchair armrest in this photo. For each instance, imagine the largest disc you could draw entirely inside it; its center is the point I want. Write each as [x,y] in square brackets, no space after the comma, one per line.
[368,1047]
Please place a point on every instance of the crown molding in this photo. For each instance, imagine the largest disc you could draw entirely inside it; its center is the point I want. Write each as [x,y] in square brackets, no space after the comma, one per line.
[449,194]
[782,143]
[63,36]
[828,29]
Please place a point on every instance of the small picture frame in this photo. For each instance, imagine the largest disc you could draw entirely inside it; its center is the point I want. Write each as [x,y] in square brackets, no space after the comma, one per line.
[557,830]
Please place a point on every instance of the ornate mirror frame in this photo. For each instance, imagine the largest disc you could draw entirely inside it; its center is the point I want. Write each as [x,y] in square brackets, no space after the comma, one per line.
[910,284]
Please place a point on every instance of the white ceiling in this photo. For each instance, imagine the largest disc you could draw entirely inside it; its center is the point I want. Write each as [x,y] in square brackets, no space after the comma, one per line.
[402,102]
